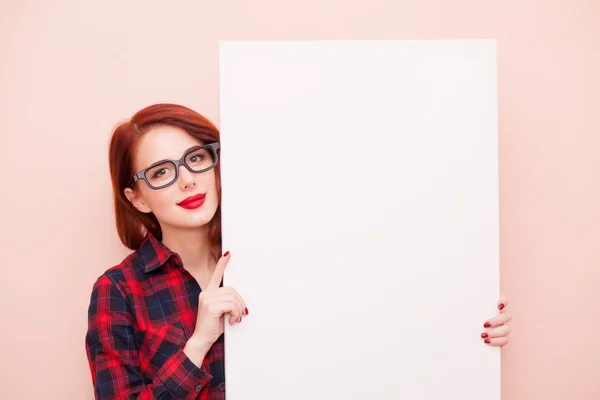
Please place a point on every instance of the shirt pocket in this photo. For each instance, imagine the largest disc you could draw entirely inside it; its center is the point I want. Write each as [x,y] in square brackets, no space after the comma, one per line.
[160,343]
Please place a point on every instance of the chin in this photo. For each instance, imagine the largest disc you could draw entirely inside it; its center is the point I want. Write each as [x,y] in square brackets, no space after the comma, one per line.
[189,224]
[197,218]
[198,223]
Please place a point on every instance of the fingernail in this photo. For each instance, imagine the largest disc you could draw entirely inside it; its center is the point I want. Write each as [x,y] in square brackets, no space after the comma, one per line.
[500,306]
[487,325]
[240,319]
[484,335]
[246,310]
[226,254]
[487,341]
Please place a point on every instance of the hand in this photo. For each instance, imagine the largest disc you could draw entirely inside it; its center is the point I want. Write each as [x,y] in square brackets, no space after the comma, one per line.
[496,333]
[214,302]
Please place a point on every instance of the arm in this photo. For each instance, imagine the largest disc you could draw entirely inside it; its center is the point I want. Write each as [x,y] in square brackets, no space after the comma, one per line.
[114,359]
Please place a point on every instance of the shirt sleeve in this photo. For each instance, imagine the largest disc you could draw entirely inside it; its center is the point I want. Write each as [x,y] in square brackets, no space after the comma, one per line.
[114,359]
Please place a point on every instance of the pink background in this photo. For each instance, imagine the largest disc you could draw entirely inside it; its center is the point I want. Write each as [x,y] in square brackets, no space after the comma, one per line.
[70,70]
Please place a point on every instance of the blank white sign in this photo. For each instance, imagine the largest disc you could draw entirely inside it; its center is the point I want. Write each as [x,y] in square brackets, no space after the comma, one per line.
[360,206]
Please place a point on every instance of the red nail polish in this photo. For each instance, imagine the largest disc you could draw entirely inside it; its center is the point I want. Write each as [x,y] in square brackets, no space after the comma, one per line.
[246,310]
[488,341]
[487,325]
[226,254]
[500,306]
[484,335]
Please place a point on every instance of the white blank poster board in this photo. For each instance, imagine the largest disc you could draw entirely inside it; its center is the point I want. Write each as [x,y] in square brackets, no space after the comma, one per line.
[360,206]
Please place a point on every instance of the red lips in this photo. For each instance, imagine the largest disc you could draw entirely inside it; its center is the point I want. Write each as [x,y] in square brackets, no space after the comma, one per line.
[192,201]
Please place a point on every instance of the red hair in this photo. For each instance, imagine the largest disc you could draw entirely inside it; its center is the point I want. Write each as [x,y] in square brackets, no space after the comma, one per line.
[132,225]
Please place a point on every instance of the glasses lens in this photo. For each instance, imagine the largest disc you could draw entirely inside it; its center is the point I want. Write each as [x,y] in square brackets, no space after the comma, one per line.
[162,174]
[201,159]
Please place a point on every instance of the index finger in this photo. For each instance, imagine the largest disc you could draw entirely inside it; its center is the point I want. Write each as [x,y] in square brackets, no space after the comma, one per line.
[502,302]
[217,276]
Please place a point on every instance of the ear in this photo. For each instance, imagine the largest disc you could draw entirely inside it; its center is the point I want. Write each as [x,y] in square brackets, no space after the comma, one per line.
[137,201]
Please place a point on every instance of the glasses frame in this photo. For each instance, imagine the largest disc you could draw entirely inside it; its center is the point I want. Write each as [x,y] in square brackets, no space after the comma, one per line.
[141,176]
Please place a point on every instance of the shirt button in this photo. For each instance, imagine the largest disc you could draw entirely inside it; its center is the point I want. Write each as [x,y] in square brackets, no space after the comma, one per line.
[198,388]
[222,386]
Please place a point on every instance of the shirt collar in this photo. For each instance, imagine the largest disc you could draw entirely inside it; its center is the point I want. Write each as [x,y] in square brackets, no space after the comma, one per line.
[153,253]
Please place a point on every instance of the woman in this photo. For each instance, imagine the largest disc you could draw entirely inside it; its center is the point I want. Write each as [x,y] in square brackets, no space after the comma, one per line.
[153,332]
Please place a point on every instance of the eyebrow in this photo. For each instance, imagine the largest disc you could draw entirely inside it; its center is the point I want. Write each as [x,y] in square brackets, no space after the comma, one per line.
[170,159]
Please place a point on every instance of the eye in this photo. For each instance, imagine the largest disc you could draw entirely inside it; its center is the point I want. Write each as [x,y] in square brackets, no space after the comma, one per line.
[196,158]
[159,173]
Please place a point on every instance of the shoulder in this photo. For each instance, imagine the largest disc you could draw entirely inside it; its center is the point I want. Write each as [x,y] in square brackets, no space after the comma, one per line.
[129,272]
[132,277]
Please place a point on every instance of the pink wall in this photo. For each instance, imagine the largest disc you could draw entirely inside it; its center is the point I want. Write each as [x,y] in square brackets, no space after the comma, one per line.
[71,69]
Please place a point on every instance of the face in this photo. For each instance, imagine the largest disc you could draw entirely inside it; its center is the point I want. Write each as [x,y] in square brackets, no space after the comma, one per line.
[167,142]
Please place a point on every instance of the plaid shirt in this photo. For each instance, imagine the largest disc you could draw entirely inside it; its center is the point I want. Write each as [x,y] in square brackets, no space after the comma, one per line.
[140,316]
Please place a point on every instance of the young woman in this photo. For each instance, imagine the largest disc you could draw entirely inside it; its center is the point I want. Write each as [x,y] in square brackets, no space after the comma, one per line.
[156,320]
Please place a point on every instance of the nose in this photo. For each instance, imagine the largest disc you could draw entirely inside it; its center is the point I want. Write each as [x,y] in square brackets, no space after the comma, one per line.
[186,178]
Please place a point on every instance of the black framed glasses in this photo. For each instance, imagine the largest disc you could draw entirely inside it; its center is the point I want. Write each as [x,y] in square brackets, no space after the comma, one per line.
[164,173]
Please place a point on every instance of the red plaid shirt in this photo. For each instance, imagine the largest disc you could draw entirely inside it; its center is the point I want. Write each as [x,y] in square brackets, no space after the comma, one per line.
[140,316]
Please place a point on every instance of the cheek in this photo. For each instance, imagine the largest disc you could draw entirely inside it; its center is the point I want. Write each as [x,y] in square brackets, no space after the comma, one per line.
[208,183]
[210,186]
[159,200]
[213,200]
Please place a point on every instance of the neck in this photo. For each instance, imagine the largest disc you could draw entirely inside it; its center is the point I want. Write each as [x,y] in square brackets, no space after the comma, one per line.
[192,247]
